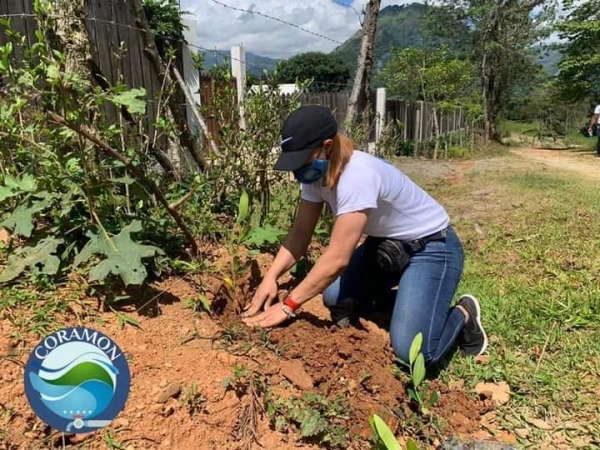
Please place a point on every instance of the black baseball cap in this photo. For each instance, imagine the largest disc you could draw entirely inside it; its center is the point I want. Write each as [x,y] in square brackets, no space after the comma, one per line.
[304,130]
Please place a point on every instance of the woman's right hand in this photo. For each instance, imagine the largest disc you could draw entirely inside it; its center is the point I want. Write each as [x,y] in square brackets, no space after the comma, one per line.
[265,294]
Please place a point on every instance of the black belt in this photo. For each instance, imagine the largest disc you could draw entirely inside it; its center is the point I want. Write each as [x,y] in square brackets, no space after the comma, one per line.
[419,244]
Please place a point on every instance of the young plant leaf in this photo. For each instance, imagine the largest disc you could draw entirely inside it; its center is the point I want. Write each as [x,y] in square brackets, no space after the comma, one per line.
[411,445]
[386,435]
[418,371]
[312,424]
[205,303]
[243,208]
[415,347]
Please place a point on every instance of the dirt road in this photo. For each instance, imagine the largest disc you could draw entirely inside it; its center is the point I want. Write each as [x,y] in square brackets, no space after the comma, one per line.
[585,163]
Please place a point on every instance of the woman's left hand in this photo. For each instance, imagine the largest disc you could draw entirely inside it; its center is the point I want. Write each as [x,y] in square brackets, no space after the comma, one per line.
[271,317]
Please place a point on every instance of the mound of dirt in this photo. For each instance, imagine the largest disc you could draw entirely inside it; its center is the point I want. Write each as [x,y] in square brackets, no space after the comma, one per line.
[355,364]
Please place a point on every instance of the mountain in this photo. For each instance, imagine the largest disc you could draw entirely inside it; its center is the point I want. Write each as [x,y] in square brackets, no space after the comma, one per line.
[254,63]
[399,26]
[549,60]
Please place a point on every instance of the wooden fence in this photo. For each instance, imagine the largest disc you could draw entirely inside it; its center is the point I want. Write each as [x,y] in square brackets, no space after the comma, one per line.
[116,48]
[418,122]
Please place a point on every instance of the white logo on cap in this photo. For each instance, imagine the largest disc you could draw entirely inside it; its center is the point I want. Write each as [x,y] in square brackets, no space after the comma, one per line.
[287,140]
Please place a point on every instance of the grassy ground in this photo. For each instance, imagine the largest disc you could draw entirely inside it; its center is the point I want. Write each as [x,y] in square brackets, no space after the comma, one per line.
[532,259]
[528,134]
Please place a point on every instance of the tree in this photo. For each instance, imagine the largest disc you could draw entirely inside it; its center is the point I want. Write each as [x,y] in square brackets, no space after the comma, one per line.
[362,80]
[498,37]
[431,75]
[579,74]
[327,72]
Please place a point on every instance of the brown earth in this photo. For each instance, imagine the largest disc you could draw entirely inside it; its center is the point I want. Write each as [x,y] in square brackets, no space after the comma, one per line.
[175,348]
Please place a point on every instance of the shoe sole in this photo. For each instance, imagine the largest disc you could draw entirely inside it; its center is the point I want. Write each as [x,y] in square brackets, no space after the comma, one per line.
[478,320]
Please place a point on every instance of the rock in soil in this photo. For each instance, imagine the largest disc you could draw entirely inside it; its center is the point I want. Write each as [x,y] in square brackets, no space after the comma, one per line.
[455,444]
[171,391]
[295,373]
[499,393]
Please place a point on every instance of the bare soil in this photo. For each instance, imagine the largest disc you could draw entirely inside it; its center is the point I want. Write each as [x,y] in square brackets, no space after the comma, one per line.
[175,348]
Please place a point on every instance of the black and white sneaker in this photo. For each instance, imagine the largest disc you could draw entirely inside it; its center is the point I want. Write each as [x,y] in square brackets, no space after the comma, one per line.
[344,312]
[473,340]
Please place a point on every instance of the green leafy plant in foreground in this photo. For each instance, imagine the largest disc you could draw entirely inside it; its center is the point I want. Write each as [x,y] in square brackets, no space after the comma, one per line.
[384,437]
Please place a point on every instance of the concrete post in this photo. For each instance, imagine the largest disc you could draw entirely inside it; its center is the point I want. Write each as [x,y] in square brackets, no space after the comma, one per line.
[238,70]
[380,111]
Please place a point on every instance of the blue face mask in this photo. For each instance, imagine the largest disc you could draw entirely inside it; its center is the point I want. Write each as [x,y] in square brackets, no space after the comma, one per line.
[312,172]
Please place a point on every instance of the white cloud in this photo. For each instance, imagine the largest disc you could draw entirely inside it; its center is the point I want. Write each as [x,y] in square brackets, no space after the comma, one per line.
[222,28]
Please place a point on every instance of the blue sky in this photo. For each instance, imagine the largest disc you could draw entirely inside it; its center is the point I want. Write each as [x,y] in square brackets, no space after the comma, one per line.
[222,28]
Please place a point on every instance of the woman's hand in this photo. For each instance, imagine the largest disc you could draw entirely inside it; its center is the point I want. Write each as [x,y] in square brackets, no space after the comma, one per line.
[274,315]
[265,294]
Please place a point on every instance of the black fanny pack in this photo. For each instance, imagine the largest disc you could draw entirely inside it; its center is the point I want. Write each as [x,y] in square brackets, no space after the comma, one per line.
[387,259]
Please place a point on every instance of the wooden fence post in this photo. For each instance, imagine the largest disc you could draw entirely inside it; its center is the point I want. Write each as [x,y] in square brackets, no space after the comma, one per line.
[238,69]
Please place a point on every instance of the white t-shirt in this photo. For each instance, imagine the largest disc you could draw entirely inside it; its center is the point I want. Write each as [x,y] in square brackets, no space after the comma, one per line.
[397,207]
[597,111]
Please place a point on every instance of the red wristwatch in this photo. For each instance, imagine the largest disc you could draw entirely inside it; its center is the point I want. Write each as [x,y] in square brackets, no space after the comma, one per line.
[291,303]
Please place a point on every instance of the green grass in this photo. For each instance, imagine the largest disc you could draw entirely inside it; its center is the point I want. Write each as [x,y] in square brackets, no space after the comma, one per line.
[537,274]
[526,128]
[530,130]
[34,313]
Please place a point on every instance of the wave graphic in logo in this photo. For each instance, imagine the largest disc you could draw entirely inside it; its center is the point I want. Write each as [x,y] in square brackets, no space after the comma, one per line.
[76,382]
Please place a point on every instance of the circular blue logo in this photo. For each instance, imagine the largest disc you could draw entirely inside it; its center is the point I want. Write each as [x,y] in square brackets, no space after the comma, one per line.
[77,380]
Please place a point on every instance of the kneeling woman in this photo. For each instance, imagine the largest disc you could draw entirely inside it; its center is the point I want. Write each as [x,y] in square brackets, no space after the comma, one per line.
[410,244]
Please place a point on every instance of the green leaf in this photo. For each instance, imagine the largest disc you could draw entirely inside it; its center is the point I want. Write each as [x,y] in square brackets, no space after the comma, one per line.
[53,73]
[413,395]
[123,256]
[419,370]
[40,259]
[21,219]
[312,424]
[124,319]
[415,347]
[243,208]
[123,180]
[260,236]
[204,302]
[386,435]
[13,186]
[280,423]
[411,445]
[27,184]
[129,99]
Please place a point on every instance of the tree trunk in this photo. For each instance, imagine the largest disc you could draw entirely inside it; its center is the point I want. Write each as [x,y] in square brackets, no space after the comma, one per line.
[362,80]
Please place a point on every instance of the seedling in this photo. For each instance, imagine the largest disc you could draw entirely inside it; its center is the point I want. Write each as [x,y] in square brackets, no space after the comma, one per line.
[416,392]
[199,304]
[317,418]
[193,400]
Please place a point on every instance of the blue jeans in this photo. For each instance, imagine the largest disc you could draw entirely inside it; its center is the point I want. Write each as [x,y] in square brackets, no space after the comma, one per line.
[422,302]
